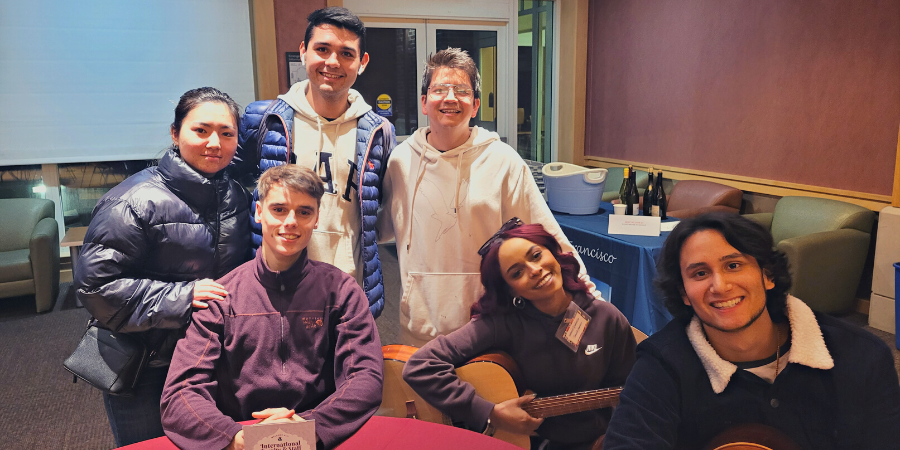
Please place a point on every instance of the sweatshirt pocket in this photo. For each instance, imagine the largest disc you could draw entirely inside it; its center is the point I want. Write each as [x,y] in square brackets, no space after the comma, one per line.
[438,303]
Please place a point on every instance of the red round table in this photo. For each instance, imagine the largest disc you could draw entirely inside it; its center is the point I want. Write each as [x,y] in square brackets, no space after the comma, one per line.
[388,433]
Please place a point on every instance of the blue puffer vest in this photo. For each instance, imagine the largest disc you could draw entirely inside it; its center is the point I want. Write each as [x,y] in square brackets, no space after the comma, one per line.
[274,121]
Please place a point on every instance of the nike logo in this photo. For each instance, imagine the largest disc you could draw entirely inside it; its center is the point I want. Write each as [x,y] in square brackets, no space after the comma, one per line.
[591,349]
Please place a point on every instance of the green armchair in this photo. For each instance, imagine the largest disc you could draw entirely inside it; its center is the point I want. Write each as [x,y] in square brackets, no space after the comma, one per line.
[29,250]
[826,242]
[614,177]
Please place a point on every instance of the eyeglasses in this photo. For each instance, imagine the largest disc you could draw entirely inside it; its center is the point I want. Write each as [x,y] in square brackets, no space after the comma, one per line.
[443,89]
[510,224]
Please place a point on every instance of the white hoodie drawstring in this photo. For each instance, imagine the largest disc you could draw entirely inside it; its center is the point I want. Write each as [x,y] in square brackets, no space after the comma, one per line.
[459,163]
[420,172]
[318,161]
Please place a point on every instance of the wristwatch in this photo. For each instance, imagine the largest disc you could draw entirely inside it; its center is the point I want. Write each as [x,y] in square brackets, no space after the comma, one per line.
[489,428]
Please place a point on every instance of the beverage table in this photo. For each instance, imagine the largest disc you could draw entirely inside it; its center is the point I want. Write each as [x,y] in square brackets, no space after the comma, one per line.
[627,264]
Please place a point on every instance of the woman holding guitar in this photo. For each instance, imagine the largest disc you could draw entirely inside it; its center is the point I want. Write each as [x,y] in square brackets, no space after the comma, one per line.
[537,310]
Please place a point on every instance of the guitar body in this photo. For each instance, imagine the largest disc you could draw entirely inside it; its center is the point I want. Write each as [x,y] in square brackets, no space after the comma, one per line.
[397,393]
[752,436]
[488,374]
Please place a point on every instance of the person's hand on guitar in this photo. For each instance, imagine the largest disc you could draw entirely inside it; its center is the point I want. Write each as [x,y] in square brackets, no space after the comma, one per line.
[510,416]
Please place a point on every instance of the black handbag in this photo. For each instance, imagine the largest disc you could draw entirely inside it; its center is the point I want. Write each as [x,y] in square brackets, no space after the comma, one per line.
[109,361]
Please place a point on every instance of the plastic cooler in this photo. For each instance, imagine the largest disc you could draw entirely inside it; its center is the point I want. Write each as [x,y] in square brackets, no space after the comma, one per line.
[897,304]
[573,189]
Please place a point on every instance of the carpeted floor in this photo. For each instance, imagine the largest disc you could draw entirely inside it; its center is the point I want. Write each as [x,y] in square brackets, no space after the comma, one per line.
[42,408]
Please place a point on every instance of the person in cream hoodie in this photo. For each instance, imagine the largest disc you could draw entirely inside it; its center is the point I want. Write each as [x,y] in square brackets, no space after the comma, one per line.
[329,145]
[452,186]
[323,124]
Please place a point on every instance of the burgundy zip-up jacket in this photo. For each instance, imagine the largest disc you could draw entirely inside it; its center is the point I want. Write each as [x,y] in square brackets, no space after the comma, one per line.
[301,339]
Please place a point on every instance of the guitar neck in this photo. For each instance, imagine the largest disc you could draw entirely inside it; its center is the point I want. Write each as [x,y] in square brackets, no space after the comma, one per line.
[572,403]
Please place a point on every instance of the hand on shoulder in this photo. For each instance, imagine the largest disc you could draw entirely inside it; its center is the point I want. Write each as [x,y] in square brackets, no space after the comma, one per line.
[206,290]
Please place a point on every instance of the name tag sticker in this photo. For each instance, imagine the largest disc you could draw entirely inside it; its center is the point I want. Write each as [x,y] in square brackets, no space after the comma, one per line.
[634,225]
[573,326]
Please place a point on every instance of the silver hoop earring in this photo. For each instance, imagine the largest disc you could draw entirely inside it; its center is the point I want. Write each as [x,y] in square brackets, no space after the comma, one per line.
[518,302]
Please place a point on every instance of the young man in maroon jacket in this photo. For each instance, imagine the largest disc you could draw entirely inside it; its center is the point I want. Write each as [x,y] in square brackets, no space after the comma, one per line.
[293,337]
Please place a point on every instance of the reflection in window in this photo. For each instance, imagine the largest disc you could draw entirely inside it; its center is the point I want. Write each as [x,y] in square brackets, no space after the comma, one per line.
[21,182]
[82,185]
[535,111]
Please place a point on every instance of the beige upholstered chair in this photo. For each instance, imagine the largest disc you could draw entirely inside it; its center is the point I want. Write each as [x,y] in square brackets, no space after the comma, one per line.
[826,242]
[29,250]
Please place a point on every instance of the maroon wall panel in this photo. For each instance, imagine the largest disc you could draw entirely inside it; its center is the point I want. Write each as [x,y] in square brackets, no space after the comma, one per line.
[290,26]
[803,91]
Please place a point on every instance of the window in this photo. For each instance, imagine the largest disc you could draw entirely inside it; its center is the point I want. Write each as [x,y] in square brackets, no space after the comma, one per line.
[534,116]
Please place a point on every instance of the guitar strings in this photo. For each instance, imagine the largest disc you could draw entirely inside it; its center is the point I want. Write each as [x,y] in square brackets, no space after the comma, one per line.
[570,401]
[563,404]
[568,397]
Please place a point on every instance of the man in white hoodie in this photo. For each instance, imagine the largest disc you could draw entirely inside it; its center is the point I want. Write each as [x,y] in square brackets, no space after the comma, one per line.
[323,124]
[452,186]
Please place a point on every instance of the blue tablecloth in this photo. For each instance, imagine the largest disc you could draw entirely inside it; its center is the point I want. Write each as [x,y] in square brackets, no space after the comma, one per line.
[626,263]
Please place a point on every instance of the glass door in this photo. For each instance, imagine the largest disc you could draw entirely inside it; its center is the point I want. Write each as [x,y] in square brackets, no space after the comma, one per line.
[390,81]
[482,44]
[397,52]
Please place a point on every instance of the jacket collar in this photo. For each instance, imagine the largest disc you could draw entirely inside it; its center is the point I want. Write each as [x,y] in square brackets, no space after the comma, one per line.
[195,189]
[807,345]
[284,281]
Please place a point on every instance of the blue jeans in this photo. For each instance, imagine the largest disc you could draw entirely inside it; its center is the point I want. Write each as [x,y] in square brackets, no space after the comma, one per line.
[136,418]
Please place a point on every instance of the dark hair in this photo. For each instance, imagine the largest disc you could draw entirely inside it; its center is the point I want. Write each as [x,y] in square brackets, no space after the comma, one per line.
[196,97]
[293,177]
[453,58]
[497,296]
[745,235]
[339,17]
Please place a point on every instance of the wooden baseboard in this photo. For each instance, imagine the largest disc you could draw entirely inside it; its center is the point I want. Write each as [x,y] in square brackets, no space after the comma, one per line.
[862,306]
[776,188]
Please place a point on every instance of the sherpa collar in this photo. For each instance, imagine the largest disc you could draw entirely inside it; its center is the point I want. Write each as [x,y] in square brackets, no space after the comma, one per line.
[807,345]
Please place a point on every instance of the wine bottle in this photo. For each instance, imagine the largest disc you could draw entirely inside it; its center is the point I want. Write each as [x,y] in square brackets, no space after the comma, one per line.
[633,199]
[661,205]
[654,200]
[622,187]
[626,199]
[648,196]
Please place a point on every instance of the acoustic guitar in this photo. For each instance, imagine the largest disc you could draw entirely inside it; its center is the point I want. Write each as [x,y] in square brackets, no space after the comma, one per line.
[494,377]
[752,436]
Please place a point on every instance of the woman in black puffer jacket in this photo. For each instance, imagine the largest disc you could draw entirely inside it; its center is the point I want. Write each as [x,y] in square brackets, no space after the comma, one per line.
[156,242]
